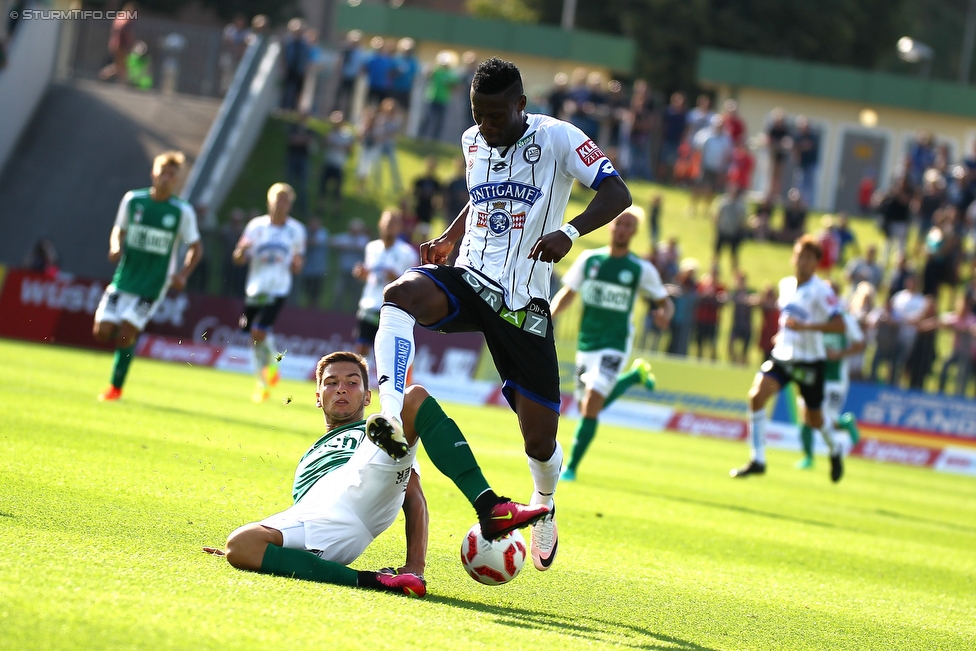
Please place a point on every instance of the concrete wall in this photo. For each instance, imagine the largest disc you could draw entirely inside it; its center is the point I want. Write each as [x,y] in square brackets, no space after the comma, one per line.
[30,67]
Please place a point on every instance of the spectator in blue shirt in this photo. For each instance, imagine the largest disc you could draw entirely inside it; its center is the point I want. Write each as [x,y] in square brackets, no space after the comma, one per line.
[380,71]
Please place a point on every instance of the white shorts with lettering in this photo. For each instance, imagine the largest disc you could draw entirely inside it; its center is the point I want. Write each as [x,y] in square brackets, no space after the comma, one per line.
[597,370]
[116,307]
[344,511]
[835,395]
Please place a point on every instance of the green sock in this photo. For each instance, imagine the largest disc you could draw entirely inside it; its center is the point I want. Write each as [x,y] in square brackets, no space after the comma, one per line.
[448,450]
[624,382]
[120,366]
[585,433]
[806,437]
[300,564]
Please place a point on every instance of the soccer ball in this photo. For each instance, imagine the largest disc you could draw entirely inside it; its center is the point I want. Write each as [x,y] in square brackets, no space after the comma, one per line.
[492,562]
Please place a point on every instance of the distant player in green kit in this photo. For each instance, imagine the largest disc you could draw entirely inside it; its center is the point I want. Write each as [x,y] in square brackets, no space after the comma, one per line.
[149,228]
[608,279]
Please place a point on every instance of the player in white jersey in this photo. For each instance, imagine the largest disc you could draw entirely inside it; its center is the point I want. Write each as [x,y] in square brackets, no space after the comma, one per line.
[808,309]
[383,262]
[273,245]
[521,169]
[348,489]
[839,347]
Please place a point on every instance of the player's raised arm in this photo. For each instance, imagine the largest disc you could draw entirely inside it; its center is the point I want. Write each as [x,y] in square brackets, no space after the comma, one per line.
[612,197]
[437,250]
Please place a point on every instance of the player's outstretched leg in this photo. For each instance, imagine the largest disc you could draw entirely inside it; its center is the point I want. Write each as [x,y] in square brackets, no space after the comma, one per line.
[585,433]
[393,350]
[639,373]
[450,453]
[806,439]
[849,422]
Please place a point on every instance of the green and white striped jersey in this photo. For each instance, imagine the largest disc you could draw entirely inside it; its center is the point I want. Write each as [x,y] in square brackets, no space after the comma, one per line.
[331,452]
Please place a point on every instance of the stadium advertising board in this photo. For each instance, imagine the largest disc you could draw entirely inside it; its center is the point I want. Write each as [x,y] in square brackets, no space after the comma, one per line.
[202,330]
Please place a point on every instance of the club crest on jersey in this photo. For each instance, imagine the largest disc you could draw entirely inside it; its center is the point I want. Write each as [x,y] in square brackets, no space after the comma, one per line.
[137,215]
[589,153]
[523,193]
[499,221]
[626,276]
[169,221]
[532,154]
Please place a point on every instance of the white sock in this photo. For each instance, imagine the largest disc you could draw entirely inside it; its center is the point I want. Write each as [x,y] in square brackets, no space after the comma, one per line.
[545,474]
[828,436]
[757,435]
[393,349]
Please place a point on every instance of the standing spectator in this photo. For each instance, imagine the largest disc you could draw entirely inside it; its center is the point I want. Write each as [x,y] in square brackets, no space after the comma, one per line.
[715,147]
[684,295]
[711,296]
[427,194]
[643,121]
[894,208]
[841,227]
[700,117]
[120,43]
[654,219]
[921,156]
[760,222]
[43,259]
[926,202]
[829,244]
[440,84]
[349,247]
[350,64]
[743,301]
[734,124]
[405,69]
[962,323]
[922,355]
[233,44]
[668,255]
[741,165]
[806,154]
[309,101]
[380,71]
[908,308]
[295,56]
[299,142]
[794,219]
[902,270]
[316,262]
[865,269]
[389,123]
[779,144]
[865,191]
[860,306]
[338,147]
[769,307]
[675,123]
[384,260]
[234,276]
[730,225]
[558,95]
[370,134]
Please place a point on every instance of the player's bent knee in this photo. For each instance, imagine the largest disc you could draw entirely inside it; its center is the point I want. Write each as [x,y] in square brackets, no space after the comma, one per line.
[246,546]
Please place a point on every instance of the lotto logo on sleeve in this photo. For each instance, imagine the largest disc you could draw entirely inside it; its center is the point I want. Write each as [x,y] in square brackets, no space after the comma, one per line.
[589,153]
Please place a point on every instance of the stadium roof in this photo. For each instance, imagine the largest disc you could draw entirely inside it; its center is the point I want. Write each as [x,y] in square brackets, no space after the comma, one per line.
[614,52]
[835,82]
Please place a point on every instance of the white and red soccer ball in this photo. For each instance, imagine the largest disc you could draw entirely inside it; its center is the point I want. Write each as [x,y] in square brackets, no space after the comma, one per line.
[492,562]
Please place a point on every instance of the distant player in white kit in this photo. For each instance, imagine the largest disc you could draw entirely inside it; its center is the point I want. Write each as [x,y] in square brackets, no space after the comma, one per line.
[383,262]
[520,171]
[808,309]
[149,227]
[274,247]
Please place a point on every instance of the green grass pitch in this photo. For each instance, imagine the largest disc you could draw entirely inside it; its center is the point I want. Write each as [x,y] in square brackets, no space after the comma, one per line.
[104,509]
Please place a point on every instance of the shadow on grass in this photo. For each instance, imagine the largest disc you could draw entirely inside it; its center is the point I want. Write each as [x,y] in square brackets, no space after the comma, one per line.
[7,515]
[915,518]
[744,509]
[588,628]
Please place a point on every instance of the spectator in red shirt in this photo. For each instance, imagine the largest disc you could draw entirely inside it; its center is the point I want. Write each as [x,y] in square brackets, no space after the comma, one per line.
[741,166]
[735,126]
[711,296]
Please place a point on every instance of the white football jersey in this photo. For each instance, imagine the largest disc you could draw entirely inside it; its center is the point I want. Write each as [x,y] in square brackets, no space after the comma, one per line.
[378,260]
[812,302]
[272,250]
[518,194]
